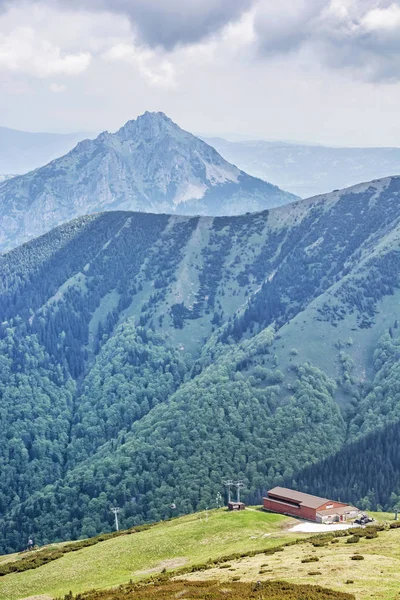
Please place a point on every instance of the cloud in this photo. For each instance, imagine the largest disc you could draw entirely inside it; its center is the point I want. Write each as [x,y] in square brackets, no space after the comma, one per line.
[362,36]
[156,37]
[169,23]
[156,69]
[23,50]
[57,88]
[285,25]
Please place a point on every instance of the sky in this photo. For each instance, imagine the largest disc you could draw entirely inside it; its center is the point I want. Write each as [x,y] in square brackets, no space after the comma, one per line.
[321,71]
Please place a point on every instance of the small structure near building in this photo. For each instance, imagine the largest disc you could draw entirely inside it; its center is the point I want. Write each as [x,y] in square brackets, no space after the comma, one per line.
[236,506]
[305,506]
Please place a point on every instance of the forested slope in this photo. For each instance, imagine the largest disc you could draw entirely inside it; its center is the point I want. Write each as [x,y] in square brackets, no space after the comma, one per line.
[366,473]
[152,356]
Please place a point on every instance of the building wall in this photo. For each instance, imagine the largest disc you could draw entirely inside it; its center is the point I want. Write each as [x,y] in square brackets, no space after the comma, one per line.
[303,512]
[328,518]
[330,505]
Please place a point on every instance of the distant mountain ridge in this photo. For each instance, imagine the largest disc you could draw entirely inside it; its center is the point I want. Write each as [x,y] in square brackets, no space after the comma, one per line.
[149,165]
[23,151]
[306,169]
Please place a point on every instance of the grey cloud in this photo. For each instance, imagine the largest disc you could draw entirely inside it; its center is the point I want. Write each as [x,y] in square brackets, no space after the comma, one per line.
[358,35]
[285,25]
[165,23]
[168,23]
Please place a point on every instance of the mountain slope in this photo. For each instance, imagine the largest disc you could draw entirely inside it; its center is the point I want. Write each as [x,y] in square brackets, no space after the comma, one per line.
[190,349]
[149,165]
[308,170]
[22,151]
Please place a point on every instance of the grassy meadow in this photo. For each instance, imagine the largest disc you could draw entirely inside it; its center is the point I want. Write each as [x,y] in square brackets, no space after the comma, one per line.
[168,545]
[376,576]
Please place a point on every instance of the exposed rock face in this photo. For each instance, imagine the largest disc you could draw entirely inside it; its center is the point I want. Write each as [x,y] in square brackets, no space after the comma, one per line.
[150,165]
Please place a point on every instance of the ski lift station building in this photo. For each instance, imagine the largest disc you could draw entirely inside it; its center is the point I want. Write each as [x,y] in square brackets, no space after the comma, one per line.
[305,506]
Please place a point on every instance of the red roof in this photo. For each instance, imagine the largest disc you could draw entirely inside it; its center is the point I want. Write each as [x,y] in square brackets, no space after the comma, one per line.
[297,497]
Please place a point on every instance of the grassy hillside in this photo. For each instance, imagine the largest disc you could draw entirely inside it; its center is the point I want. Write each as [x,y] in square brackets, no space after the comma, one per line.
[160,559]
[375,575]
[181,542]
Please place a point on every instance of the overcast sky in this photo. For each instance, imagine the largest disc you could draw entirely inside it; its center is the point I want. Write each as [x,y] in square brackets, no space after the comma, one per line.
[310,70]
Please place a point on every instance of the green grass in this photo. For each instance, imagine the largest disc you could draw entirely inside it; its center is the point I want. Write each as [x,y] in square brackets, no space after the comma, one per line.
[375,577]
[382,517]
[185,541]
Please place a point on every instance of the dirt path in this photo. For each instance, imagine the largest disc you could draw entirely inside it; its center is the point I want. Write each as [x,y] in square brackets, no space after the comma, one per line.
[306,527]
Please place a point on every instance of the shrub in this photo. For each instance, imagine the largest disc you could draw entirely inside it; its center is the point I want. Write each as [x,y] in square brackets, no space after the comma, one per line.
[319,543]
[357,557]
[350,581]
[314,573]
[353,539]
[310,559]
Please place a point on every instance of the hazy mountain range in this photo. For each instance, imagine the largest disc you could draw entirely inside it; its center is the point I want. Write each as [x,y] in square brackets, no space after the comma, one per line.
[303,169]
[22,151]
[149,165]
[308,170]
[146,357]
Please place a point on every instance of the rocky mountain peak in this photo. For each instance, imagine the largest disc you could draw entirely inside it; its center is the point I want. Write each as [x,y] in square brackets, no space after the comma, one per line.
[148,127]
[149,165]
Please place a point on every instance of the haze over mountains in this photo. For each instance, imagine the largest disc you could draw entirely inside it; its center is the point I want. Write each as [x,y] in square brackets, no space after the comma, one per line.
[22,151]
[149,165]
[308,170]
[146,357]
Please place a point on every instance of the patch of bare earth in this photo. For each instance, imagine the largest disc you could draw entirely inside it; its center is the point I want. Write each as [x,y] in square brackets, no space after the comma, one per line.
[38,598]
[172,563]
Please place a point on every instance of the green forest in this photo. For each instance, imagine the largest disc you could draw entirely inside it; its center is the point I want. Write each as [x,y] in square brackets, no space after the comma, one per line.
[145,358]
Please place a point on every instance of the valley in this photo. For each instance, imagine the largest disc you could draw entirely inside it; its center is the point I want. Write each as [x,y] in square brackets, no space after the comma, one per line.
[308,169]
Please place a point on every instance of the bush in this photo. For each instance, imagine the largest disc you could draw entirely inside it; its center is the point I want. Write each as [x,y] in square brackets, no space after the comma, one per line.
[353,539]
[319,543]
[310,559]
[357,557]
[314,573]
